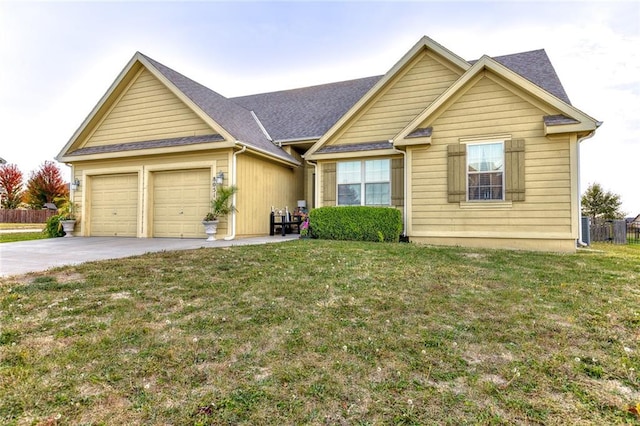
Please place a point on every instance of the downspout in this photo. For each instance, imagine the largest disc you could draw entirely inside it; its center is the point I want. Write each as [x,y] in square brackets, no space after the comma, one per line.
[590,135]
[234,179]
[404,187]
[315,184]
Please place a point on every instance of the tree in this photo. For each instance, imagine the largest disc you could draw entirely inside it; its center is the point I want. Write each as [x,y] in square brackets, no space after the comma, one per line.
[10,186]
[45,185]
[598,204]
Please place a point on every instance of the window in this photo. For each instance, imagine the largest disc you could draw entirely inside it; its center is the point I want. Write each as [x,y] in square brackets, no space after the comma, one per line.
[485,171]
[370,177]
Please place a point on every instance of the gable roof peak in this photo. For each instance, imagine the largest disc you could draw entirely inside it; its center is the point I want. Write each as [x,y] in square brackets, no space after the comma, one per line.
[238,121]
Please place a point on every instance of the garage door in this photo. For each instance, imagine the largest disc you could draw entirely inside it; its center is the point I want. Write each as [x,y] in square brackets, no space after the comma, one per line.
[180,201]
[114,205]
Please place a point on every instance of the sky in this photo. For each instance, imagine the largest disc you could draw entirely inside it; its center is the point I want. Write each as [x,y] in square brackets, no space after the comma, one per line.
[57,59]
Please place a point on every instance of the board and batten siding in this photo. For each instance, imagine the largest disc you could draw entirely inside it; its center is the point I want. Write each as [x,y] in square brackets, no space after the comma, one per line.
[147,110]
[488,108]
[405,97]
[144,168]
[263,184]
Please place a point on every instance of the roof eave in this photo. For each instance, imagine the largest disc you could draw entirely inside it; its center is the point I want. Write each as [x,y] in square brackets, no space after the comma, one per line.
[351,154]
[145,151]
[581,127]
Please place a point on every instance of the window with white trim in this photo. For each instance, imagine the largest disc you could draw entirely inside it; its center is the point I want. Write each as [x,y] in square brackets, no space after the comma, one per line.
[366,183]
[485,171]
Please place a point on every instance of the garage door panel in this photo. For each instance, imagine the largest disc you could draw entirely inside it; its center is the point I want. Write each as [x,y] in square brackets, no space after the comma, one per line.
[180,201]
[114,205]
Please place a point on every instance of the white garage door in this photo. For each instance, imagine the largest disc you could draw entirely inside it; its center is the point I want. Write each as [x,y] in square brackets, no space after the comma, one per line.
[114,205]
[180,201]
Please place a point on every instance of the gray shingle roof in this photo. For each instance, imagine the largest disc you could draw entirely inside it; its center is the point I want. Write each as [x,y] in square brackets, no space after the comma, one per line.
[159,143]
[306,112]
[235,119]
[421,132]
[536,67]
[556,120]
[354,147]
[309,112]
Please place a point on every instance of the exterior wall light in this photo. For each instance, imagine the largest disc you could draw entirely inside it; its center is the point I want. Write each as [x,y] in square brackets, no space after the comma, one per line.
[220,178]
[75,184]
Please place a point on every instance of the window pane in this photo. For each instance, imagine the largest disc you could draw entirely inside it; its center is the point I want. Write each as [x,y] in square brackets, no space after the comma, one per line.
[486,157]
[485,166]
[349,195]
[348,172]
[376,171]
[377,194]
[485,186]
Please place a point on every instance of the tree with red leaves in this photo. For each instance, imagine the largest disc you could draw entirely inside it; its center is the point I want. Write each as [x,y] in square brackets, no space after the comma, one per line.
[10,186]
[45,185]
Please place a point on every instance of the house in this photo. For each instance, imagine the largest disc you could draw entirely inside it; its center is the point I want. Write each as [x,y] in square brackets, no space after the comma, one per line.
[481,153]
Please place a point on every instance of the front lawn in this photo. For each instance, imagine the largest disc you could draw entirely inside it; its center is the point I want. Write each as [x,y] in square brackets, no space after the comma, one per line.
[13,237]
[30,231]
[321,332]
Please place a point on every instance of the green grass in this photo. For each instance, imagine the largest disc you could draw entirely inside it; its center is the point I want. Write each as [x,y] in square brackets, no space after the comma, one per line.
[30,232]
[21,226]
[321,332]
[21,236]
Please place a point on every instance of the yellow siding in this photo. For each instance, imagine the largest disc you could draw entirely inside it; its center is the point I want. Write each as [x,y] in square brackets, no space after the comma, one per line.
[261,185]
[114,205]
[181,199]
[147,110]
[486,109]
[405,97]
[145,167]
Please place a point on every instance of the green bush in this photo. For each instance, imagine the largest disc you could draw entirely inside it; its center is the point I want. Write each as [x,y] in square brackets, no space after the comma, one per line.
[53,227]
[356,223]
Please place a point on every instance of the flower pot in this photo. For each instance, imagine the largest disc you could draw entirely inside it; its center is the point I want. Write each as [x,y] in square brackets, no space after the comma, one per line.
[210,228]
[67,227]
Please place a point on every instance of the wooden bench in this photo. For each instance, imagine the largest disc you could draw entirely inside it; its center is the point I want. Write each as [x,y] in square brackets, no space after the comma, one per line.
[285,221]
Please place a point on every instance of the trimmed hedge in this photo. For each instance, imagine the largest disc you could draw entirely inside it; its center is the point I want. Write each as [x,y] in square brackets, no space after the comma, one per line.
[356,223]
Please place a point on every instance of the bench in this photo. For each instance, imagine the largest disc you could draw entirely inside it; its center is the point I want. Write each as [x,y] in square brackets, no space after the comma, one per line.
[285,221]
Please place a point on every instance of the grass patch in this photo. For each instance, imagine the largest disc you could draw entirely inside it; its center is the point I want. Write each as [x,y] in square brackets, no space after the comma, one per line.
[32,226]
[32,231]
[325,332]
[21,236]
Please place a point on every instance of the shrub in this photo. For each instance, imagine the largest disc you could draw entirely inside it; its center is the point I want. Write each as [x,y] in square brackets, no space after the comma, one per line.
[357,223]
[53,227]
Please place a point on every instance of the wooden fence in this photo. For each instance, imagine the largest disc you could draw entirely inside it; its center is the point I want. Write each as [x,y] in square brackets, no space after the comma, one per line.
[611,231]
[25,216]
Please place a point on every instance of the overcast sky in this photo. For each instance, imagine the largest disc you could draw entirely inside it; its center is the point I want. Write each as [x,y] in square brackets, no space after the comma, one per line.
[58,59]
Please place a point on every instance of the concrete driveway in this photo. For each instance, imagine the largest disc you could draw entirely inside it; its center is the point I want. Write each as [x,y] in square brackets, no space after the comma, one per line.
[39,255]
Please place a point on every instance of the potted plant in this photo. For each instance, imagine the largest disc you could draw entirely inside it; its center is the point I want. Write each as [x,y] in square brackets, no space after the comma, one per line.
[221,205]
[67,216]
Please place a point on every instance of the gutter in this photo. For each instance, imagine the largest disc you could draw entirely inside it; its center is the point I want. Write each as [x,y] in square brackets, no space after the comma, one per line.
[581,243]
[269,155]
[234,180]
[404,186]
[315,184]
